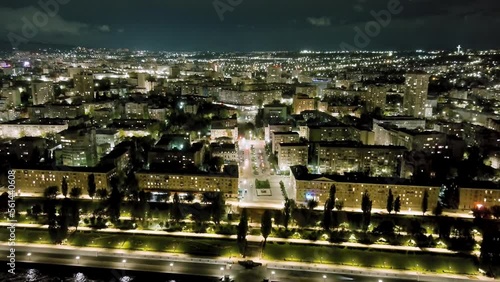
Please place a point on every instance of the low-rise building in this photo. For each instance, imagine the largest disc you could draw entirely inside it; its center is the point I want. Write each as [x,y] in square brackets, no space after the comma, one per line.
[302,102]
[280,127]
[341,158]
[350,190]
[35,181]
[224,129]
[283,137]
[226,151]
[198,183]
[24,127]
[402,122]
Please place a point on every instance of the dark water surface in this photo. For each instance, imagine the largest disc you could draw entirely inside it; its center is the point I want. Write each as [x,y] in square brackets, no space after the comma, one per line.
[53,273]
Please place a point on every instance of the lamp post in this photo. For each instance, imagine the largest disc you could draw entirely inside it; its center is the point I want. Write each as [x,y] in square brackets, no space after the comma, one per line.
[324,278]
[29,256]
[171,266]
[77,259]
[273,274]
[124,261]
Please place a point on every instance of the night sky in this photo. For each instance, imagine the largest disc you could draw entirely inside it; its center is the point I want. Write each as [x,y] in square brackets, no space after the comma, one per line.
[194,25]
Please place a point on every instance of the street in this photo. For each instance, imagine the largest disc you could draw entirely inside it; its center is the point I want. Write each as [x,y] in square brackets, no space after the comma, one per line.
[184,264]
[255,165]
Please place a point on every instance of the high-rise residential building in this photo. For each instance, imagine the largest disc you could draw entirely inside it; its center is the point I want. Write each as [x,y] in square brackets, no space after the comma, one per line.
[42,92]
[375,97]
[415,99]
[84,86]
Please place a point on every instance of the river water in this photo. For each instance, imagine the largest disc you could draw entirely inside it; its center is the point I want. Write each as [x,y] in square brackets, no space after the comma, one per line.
[53,273]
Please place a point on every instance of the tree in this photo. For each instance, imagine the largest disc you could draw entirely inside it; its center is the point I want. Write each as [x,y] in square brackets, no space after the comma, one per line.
[339,205]
[114,204]
[189,197]
[218,207]
[36,210]
[51,192]
[266,226]
[75,192]
[64,187]
[312,204]
[242,232]
[366,207]
[176,212]
[287,212]
[283,190]
[390,202]
[425,202]
[327,219]
[102,193]
[438,210]
[331,198]
[91,188]
[329,205]
[397,205]
[495,211]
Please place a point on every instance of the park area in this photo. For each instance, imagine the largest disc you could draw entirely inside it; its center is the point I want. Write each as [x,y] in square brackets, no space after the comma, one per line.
[360,257]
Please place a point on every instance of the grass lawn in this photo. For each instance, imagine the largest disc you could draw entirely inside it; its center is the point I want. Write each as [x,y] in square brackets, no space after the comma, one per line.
[425,262]
[200,247]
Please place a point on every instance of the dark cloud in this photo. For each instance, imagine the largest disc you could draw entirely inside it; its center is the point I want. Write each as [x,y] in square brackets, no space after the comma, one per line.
[261,24]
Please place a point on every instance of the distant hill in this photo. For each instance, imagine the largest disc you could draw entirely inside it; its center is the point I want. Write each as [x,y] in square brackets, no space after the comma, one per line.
[34,46]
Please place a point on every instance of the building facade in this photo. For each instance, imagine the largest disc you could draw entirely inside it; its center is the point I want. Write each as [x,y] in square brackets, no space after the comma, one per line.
[292,154]
[376,161]
[415,98]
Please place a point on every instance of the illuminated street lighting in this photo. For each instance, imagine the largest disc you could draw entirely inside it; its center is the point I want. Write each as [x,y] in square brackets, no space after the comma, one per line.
[29,256]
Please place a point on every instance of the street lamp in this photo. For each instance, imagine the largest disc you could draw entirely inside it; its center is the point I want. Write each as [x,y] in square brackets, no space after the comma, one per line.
[29,256]
[324,278]
[171,266]
[77,259]
[124,261]
[222,271]
[273,274]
